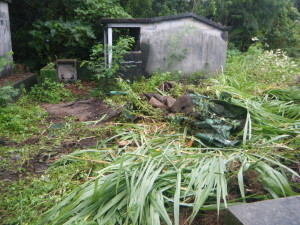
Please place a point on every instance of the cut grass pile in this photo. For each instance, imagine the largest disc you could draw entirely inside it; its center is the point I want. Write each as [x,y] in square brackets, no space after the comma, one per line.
[156,173]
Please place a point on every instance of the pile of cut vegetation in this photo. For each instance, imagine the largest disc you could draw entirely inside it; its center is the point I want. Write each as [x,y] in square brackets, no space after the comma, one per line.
[155,171]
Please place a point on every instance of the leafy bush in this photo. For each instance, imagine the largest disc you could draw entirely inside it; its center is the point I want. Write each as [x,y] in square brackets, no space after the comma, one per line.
[6,94]
[106,76]
[49,91]
[58,38]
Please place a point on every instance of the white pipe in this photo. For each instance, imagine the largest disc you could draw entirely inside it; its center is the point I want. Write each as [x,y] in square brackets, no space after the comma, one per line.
[110,44]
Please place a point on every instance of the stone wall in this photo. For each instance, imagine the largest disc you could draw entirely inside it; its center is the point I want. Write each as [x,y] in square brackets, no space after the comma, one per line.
[185,44]
[5,36]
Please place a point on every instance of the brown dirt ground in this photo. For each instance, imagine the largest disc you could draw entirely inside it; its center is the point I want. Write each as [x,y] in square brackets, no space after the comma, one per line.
[82,89]
[85,110]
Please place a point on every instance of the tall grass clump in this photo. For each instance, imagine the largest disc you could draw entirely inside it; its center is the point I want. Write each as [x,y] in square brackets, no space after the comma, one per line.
[257,69]
[155,173]
[259,81]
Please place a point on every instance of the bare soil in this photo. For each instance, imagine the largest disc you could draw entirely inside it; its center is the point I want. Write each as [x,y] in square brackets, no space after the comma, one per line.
[84,110]
[81,90]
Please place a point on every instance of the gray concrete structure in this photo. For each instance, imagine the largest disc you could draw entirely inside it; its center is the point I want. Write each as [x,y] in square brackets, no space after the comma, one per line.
[5,36]
[186,42]
[67,70]
[282,211]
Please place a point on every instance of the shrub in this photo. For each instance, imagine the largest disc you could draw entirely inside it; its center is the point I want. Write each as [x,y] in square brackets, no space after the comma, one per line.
[104,75]
[49,91]
[6,94]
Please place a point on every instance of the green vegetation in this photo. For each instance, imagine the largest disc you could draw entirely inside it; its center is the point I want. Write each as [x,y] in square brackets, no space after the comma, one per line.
[144,184]
[146,167]
[152,170]
[50,91]
[257,70]
[7,93]
[49,71]
[3,62]
[67,29]
[20,120]
[106,76]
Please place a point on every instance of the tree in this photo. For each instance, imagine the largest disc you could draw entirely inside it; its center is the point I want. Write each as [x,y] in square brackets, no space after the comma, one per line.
[250,18]
[44,30]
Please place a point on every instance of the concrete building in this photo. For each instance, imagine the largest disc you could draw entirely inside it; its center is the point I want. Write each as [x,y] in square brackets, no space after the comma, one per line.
[187,42]
[5,36]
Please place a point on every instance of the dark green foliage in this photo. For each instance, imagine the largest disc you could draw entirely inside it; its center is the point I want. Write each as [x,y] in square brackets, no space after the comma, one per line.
[138,8]
[48,72]
[6,94]
[57,29]
[67,29]
[170,7]
[285,31]
[254,18]
[60,39]
[93,10]
[49,91]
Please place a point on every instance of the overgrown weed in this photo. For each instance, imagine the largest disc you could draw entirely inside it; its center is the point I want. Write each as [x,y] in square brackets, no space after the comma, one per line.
[50,92]
[20,120]
[257,69]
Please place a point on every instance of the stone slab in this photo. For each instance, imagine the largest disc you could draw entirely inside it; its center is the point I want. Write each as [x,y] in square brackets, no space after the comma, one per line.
[283,211]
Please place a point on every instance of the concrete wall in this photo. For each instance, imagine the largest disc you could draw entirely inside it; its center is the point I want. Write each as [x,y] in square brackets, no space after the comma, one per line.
[5,36]
[184,44]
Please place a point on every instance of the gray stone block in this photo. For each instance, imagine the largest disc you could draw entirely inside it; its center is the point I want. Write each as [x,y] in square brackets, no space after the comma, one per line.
[283,211]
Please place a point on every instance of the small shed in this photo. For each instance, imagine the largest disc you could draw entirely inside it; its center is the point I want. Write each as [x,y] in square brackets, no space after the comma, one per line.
[186,42]
[5,36]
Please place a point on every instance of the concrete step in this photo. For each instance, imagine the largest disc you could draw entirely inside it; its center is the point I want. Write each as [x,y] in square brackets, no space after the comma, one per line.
[19,80]
[283,211]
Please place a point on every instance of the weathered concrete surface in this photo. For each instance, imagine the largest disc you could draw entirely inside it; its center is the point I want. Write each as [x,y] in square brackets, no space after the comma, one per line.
[5,36]
[184,44]
[284,211]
